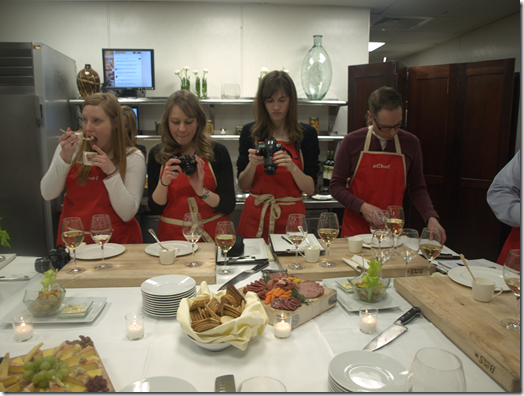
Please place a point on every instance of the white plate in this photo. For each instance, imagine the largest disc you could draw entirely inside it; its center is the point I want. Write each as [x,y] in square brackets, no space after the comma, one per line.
[160,384]
[185,247]
[177,296]
[365,371]
[94,252]
[462,276]
[322,197]
[337,282]
[366,240]
[92,313]
[352,303]
[165,285]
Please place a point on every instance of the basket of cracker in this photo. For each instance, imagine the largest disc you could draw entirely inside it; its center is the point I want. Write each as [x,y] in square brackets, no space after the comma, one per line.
[223,317]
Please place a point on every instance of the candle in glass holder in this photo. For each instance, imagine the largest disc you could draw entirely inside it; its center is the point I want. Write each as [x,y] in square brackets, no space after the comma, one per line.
[282,325]
[135,326]
[23,327]
[368,320]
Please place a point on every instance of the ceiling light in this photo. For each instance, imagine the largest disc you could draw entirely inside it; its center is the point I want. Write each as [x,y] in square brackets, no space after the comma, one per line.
[372,46]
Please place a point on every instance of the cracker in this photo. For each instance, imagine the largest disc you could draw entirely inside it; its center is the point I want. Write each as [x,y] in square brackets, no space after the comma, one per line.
[232,290]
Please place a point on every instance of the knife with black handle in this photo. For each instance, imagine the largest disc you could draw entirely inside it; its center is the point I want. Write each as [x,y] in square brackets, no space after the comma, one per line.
[245,274]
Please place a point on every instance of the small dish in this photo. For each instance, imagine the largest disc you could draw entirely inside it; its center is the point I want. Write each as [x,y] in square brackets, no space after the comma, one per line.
[344,285]
[75,310]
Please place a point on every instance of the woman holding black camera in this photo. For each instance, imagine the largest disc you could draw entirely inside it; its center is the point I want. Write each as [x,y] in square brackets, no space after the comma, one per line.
[188,172]
[289,146]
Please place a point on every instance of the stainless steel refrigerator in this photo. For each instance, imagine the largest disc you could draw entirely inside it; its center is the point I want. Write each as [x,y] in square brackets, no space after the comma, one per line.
[36,83]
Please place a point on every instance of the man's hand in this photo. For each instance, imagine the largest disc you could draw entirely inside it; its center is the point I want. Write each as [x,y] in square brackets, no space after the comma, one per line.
[433,222]
[367,211]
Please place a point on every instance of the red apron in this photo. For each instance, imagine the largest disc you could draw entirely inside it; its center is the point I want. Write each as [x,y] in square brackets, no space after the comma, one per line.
[513,242]
[271,200]
[93,198]
[182,200]
[379,180]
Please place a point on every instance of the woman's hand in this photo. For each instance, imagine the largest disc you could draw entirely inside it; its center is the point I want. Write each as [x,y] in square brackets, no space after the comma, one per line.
[102,161]
[171,171]
[196,180]
[69,140]
[282,158]
[254,158]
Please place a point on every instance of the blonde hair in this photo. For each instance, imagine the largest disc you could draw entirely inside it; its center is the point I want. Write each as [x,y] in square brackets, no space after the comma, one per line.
[119,138]
[202,142]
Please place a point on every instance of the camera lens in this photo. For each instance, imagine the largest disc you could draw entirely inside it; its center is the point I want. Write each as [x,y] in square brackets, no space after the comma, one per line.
[270,168]
[189,169]
[42,264]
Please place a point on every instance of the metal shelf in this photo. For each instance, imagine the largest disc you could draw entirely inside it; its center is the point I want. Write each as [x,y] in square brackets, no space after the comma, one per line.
[330,138]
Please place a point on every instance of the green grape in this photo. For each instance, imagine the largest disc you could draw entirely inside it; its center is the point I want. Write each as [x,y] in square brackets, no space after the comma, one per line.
[40,376]
[50,359]
[44,383]
[59,376]
[50,373]
[39,360]
[65,371]
[64,365]
[45,365]
[28,366]
[55,365]
[28,374]
[35,380]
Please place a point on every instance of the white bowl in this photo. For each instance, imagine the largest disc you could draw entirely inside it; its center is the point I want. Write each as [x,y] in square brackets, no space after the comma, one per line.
[212,347]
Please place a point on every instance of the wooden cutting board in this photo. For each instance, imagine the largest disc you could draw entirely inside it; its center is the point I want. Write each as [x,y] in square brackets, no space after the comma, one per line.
[338,249]
[134,266]
[472,325]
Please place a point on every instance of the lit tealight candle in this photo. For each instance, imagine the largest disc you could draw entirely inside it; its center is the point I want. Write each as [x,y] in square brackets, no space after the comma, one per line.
[282,325]
[368,320]
[135,326]
[23,327]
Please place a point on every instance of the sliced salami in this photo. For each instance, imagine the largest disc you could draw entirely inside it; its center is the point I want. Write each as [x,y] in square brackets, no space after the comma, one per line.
[310,289]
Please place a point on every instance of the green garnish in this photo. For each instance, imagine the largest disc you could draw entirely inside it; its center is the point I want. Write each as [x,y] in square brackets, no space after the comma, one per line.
[48,279]
[299,297]
[370,278]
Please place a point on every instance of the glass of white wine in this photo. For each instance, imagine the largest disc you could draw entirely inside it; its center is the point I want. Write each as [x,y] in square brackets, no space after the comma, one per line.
[101,232]
[395,221]
[328,231]
[407,245]
[296,231]
[192,230]
[73,235]
[225,238]
[430,244]
[511,275]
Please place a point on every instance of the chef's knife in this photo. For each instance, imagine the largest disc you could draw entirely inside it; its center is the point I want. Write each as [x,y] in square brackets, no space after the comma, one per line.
[245,274]
[393,331]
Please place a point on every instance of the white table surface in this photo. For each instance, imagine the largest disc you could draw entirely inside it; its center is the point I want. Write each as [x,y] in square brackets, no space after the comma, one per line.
[300,362]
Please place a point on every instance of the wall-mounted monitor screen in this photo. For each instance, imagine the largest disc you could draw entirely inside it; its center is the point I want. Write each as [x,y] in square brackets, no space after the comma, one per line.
[128,70]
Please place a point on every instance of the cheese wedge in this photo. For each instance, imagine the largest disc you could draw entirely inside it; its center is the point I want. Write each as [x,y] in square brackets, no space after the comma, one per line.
[16,368]
[9,380]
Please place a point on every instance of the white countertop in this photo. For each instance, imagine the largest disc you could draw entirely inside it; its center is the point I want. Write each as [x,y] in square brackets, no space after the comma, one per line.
[300,362]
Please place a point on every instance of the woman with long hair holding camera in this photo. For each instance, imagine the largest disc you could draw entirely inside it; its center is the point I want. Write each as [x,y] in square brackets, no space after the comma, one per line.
[188,172]
[101,173]
[277,159]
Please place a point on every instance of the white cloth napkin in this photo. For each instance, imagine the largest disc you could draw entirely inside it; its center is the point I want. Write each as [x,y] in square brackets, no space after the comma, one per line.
[357,262]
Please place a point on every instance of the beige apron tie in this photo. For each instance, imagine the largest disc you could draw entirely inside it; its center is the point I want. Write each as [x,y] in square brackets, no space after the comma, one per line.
[193,209]
[268,199]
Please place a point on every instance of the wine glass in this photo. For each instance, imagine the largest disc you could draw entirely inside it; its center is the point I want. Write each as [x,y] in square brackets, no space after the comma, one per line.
[395,220]
[225,239]
[192,230]
[382,245]
[101,232]
[328,231]
[430,244]
[511,273]
[436,370]
[296,231]
[407,245]
[73,235]
[377,222]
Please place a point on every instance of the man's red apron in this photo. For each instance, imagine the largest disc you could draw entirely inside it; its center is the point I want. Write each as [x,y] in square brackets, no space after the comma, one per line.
[271,200]
[513,242]
[379,180]
[93,198]
[182,200]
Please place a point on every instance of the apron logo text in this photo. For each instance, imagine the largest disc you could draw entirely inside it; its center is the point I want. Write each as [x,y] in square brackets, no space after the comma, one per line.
[93,178]
[380,166]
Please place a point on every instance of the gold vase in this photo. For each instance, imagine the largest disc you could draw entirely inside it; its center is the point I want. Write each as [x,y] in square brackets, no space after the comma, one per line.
[87,81]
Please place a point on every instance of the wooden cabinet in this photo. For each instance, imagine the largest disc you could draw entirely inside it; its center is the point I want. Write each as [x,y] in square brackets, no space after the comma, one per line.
[464,115]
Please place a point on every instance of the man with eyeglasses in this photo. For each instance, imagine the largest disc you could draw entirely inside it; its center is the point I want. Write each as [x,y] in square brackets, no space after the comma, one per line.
[381,161]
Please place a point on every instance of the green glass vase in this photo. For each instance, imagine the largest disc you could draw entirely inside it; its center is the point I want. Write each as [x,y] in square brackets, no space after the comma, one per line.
[317,71]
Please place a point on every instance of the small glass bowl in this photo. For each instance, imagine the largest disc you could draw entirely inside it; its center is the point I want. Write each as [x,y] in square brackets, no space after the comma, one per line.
[47,303]
[370,294]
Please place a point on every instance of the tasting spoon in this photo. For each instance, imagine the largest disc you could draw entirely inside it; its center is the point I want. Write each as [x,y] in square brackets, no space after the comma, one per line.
[152,232]
[467,266]
[80,135]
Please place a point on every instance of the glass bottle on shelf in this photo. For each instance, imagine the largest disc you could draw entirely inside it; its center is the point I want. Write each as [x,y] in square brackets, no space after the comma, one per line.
[325,175]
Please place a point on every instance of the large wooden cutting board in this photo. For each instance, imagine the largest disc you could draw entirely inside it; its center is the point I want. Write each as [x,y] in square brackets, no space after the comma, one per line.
[134,266]
[472,325]
[338,249]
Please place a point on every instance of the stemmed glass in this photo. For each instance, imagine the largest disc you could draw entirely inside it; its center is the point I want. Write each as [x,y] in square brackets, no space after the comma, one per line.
[192,230]
[328,231]
[382,245]
[377,222]
[407,246]
[73,235]
[296,231]
[430,244]
[511,275]
[395,220]
[436,370]
[101,232]
[225,239]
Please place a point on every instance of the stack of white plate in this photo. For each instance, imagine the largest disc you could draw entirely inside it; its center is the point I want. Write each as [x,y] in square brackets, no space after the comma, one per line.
[364,371]
[161,295]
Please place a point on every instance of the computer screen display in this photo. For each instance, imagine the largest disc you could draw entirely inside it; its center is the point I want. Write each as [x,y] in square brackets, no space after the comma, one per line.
[129,69]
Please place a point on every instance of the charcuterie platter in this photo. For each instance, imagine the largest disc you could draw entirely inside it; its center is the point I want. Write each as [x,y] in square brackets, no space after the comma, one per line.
[302,299]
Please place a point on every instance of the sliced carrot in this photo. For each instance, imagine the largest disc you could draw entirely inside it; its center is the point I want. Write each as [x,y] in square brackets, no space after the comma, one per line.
[288,293]
[279,293]
[268,299]
[284,296]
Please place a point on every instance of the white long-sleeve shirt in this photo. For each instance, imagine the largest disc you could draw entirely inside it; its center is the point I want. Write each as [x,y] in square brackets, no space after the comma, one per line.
[504,193]
[125,196]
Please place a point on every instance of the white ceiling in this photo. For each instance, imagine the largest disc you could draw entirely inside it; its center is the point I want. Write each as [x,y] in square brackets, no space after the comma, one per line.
[406,26]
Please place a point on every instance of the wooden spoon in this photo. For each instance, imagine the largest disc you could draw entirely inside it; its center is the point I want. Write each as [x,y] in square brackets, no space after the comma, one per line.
[467,266]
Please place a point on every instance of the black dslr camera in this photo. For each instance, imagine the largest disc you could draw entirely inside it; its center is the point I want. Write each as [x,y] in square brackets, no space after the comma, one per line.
[58,257]
[267,150]
[188,164]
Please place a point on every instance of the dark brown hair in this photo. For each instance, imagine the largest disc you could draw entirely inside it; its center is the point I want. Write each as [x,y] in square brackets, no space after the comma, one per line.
[384,98]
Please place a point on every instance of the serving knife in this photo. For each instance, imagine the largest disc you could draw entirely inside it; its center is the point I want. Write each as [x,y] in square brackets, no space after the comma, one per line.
[393,331]
[245,274]
[225,383]
[14,278]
